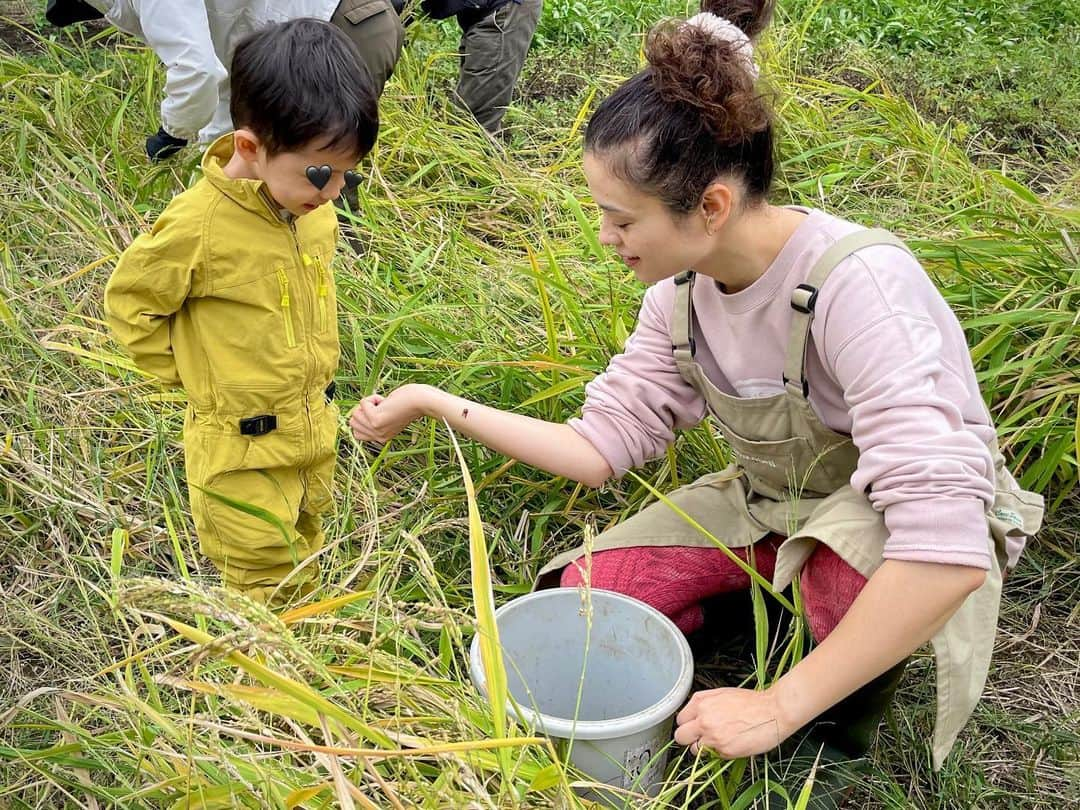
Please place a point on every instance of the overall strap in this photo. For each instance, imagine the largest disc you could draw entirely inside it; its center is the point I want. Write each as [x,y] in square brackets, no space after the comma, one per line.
[682,317]
[804,298]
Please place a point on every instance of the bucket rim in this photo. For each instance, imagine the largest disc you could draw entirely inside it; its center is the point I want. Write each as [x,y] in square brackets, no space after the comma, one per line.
[615,727]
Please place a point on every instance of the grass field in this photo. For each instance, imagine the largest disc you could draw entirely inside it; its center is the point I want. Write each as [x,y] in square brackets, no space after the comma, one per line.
[132,681]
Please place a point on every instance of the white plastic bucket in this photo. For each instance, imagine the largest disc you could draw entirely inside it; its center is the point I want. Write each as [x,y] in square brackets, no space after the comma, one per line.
[637,672]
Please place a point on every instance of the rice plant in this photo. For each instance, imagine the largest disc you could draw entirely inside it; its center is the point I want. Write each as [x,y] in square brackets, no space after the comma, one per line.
[133,680]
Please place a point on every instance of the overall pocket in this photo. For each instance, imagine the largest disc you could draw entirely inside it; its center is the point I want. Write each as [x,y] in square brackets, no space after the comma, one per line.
[782,468]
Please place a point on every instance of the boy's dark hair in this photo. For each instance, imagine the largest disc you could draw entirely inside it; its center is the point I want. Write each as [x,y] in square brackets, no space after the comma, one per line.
[302,81]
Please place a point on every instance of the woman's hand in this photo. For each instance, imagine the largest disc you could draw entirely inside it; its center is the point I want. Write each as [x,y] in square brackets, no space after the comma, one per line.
[554,447]
[902,606]
[379,419]
[732,722]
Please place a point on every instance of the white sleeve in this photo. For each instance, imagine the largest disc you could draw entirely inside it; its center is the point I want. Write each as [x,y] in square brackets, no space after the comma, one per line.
[178,31]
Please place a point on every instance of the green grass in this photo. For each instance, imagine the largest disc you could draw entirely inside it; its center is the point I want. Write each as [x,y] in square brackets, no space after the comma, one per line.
[1003,74]
[905,26]
[480,273]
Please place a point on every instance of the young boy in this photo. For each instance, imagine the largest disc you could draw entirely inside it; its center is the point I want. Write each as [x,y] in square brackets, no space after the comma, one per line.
[230,296]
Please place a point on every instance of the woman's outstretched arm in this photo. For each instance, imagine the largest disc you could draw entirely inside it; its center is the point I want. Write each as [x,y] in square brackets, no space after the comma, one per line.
[554,447]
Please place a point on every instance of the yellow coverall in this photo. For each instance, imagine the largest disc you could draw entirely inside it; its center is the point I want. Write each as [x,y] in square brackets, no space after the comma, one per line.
[234,301]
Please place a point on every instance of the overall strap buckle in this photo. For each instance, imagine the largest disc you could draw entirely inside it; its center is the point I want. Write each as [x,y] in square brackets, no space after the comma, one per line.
[691,345]
[789,383]
[803,298]
[682,328]
[258,425]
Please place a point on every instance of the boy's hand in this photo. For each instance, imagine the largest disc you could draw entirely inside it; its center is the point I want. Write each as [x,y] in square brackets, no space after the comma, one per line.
[379,419]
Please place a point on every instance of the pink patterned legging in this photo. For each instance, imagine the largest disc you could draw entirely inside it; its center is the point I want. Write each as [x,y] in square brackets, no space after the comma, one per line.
[675,579]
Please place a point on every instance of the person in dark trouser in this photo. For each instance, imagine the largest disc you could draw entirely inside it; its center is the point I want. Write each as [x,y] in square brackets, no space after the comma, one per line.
[195,41]
[495,37]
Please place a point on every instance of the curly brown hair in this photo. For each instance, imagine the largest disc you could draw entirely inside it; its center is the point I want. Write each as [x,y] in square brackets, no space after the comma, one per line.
[696,113]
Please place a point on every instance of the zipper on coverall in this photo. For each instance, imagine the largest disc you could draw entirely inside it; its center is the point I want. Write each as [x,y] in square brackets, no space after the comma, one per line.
[303,261]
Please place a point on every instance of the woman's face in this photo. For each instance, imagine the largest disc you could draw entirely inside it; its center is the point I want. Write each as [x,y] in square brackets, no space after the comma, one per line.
[652,241]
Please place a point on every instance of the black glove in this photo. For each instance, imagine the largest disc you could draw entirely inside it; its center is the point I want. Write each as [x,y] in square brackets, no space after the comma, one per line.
[67,12]
[162,146]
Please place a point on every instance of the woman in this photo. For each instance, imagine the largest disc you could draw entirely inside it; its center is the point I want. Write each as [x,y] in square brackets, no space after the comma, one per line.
[864,455]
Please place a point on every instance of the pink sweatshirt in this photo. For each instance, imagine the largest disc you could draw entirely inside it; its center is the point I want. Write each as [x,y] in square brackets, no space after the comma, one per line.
[887,364]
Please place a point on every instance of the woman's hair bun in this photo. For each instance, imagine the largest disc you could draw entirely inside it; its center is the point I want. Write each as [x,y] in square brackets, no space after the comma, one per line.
[707,64]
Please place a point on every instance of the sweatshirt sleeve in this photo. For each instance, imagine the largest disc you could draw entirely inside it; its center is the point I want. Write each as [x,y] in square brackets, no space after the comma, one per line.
[900,357]
[633,408]
[150,283]
[179,33]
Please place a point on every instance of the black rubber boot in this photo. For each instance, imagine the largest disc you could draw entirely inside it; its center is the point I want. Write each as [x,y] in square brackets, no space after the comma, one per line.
[728,630]
[851,724]
[835,777]
[842,735]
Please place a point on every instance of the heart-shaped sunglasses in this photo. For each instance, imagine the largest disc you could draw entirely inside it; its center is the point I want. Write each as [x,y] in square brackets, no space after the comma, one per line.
[320,176]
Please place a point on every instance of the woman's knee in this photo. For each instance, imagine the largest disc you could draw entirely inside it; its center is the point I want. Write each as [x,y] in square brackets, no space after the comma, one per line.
[677,572]
[829,587]
[605,569]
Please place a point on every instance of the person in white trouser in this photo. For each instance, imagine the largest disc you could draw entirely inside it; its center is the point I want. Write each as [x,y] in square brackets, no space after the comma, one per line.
[195,39]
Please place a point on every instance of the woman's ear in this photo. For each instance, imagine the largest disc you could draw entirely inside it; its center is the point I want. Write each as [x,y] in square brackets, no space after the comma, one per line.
[716,204]
[246,144]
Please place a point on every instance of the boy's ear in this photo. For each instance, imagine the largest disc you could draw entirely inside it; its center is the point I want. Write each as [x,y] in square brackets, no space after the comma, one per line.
[246,144]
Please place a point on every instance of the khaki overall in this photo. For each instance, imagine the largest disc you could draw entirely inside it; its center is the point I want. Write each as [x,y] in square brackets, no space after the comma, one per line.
[791,476]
